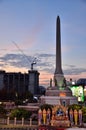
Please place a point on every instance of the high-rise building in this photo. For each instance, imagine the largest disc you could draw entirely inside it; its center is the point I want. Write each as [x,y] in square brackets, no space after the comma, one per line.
[1,79]
[20,83]
[33,82]
[11,81]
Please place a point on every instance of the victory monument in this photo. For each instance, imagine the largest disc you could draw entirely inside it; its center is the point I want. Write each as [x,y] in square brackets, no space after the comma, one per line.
[58,75]
[59,93]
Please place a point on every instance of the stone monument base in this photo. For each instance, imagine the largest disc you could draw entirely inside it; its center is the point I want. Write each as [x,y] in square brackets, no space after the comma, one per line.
[54,100]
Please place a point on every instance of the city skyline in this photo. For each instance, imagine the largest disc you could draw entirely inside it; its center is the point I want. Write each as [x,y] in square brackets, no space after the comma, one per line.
[28,31]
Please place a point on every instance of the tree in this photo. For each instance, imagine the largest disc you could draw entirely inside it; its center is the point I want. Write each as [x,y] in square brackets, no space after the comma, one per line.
[18,102]
[2,112]
[84,114]
[74,106]
[29,95]
[46,107]
[19,113]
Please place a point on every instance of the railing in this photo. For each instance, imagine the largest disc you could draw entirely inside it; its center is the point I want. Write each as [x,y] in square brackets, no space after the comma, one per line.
[15,121]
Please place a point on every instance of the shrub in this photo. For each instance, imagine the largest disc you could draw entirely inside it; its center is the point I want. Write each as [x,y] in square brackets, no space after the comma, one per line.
[84,113]
[19,113]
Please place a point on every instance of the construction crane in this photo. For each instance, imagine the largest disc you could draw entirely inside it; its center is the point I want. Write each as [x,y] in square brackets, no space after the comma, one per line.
[33,62]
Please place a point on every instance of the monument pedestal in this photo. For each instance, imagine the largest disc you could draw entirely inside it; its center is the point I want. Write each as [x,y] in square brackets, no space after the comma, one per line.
[60,100]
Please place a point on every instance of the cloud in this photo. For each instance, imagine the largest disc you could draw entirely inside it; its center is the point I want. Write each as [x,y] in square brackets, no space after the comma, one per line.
[1,64]
[46,55]
[45,62]
[45,65]
[74,71]
[16,60]
[70,66]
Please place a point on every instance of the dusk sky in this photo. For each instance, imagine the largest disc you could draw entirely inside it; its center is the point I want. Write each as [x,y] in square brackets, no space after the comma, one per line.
[28,31]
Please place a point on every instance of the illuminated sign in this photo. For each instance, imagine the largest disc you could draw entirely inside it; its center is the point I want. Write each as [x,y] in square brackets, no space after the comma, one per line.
[62,94]
[78,92]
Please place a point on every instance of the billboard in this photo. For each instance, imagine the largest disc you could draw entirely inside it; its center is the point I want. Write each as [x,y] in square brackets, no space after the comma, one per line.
[78,92]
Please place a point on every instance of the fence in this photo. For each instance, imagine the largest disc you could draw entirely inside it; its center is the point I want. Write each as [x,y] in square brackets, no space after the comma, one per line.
[22,122]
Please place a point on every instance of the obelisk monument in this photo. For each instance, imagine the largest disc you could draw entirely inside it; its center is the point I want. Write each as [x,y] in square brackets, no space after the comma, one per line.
[58,75]
[59,93]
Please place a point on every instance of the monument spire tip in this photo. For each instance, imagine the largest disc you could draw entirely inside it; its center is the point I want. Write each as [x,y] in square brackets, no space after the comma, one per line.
[58,17]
